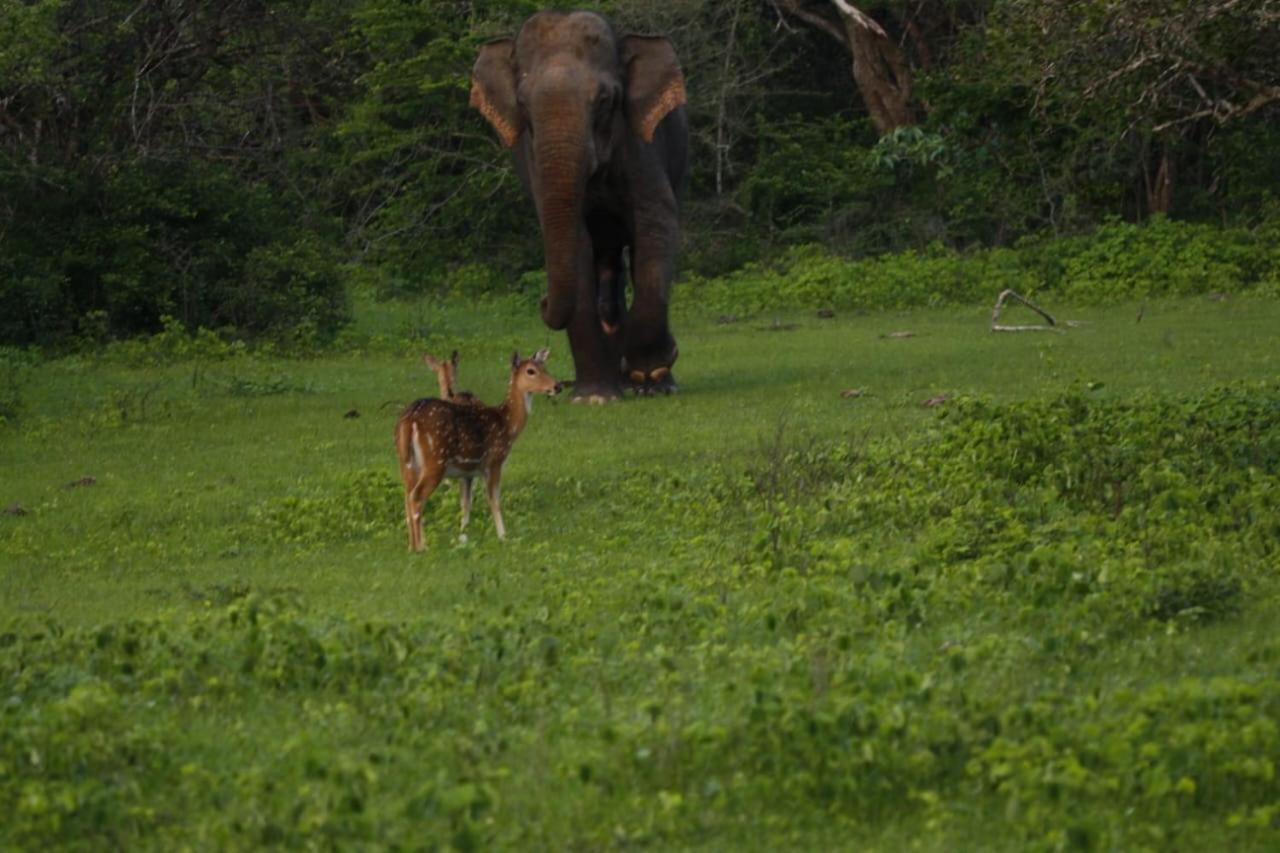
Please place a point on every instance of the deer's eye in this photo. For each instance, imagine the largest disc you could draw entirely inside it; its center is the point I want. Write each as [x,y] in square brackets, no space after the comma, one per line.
[531,371]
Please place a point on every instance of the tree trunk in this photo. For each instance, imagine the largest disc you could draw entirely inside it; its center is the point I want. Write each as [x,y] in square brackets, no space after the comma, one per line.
[882,75]
[880,68]
[1160,186]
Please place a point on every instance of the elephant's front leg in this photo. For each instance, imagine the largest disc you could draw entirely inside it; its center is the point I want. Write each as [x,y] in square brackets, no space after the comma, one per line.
[649,349]
[596,354]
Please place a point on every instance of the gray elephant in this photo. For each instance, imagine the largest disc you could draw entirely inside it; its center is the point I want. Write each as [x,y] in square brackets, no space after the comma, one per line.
[600,137]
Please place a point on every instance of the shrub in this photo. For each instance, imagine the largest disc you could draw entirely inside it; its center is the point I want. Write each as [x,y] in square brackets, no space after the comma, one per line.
[1117,261]
[110,257]
[361,504]
[1120,512]
[1162,257]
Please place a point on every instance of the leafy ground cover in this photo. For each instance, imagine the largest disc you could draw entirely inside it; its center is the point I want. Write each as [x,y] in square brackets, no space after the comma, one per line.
[1116,261]
[756,614]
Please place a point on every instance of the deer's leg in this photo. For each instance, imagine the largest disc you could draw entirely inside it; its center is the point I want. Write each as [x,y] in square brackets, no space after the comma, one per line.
[408,474]
[493,491]
[464,492]
[414,529]
[416,499]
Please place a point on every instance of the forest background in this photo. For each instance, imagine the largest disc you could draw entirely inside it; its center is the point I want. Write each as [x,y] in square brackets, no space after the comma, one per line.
[245,166]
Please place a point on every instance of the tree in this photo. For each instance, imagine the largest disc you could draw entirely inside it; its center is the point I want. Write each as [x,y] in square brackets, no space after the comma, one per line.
[1164,75]
[881,70]
[726,46]
[158,151]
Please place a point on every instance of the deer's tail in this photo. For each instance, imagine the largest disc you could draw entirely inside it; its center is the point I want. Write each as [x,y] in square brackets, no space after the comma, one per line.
[407,445]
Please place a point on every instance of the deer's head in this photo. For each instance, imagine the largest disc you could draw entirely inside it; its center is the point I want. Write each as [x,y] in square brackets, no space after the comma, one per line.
[530,376]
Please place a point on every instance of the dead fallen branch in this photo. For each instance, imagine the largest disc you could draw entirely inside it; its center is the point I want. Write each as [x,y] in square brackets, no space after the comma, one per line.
[1006,295]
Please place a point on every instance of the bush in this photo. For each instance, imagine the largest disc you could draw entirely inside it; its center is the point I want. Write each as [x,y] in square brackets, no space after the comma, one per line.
[361,504]
[1163,257]
[1114,512]
[1117,261]
[111,257]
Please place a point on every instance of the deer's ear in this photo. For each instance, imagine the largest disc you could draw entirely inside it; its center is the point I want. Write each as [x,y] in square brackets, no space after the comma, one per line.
[515,359]
[542,355]
[493,89]
[655,84]
[430,361]
[453,359]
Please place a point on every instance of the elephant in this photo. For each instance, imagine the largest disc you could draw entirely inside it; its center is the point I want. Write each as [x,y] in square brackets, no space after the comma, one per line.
[598,130]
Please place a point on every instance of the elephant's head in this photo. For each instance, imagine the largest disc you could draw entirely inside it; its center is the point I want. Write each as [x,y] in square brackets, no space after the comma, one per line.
[568,91]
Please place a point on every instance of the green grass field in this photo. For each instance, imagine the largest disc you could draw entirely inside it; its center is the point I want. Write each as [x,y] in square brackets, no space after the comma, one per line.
[755,614]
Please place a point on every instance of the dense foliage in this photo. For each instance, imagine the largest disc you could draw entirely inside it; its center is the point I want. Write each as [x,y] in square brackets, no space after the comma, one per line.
[149,166]
[1117,261]
[235,164]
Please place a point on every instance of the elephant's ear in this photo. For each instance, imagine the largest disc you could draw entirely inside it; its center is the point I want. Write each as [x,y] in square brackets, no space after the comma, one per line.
[655,85]
[493,89]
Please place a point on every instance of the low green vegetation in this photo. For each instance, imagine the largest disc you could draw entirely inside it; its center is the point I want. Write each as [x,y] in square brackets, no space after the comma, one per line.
[1115,262]
[757,614]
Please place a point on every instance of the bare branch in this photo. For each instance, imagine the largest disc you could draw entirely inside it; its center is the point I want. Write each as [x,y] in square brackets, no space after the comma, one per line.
[860,17]
[1006,295]
[823,23]
[782,18]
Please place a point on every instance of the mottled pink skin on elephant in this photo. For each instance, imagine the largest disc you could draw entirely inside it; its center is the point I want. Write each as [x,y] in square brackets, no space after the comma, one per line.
[598,130]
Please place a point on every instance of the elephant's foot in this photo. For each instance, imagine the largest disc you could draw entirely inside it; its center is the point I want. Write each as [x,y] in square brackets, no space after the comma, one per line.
[658,381]
[648,371]
[595,393]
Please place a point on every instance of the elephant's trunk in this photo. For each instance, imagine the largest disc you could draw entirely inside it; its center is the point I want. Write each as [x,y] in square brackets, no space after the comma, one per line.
[563,163]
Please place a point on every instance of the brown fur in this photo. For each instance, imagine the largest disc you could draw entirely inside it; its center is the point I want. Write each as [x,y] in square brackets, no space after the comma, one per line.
[436,439]
[447,376]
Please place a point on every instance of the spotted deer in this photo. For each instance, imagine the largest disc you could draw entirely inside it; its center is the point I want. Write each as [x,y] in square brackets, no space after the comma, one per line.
[436,439]
[447,375]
